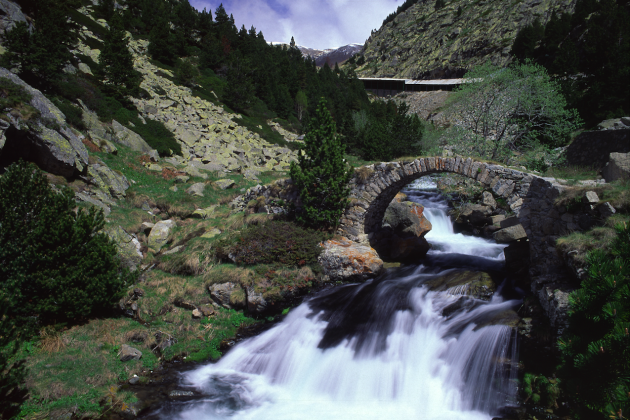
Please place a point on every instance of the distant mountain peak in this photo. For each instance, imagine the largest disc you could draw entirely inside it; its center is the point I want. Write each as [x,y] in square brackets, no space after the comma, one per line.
[331,56]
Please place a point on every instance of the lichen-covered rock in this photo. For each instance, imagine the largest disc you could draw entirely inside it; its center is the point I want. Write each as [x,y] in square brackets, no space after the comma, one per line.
[128,247]
[46,140]
[196,189]
[476,284]
[160,234]
[228,295]
[343,259]
[109,181]
[128,138]
[10,14]
[224,184]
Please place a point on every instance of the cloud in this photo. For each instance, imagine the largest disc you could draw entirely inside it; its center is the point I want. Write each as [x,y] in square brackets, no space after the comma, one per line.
[314,23]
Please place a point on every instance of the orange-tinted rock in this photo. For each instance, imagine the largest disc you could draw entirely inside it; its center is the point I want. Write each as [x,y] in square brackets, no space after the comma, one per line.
[343,259]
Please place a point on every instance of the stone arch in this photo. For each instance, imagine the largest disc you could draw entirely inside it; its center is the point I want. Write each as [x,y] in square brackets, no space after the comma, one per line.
[369,198]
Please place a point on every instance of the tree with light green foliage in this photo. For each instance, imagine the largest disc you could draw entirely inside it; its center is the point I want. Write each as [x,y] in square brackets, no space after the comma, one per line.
[321,175]
[497,111]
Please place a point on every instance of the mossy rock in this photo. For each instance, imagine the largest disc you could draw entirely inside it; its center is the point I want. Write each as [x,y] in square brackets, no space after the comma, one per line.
[476,284]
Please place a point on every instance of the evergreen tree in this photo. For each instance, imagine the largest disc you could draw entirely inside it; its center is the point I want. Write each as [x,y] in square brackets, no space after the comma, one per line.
[41,55]
[55,264]
[322,175]
[104,9]
[161,43]
[596,347]
[116,61]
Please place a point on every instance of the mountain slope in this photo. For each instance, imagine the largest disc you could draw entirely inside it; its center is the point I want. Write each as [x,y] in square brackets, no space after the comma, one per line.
[426,43]
[331,56]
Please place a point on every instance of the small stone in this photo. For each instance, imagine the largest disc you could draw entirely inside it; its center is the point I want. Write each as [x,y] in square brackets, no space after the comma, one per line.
[134,380]
[196,189]
[174,250]
[224,184]
[590,197]
[206,310]
[488,200]
[211,233]
[196,313]
[153,167]
[174,188]
[177,393]
[129,353]
[181,179]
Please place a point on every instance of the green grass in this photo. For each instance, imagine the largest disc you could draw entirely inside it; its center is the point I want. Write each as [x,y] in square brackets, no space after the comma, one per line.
[575,173]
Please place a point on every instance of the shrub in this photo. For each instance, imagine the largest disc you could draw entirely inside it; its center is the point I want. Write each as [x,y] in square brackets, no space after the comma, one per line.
[273,242]
[157,136]
[55,265]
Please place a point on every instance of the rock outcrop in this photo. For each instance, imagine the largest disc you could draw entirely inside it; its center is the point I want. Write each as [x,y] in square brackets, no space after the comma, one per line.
[45,139]
[423,42]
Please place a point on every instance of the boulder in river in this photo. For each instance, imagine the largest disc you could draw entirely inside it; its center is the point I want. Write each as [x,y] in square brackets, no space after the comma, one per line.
[476,284]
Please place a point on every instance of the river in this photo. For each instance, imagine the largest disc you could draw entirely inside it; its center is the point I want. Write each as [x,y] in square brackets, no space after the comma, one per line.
[388,348]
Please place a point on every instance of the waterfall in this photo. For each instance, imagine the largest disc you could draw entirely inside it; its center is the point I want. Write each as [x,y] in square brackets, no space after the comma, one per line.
[385,349]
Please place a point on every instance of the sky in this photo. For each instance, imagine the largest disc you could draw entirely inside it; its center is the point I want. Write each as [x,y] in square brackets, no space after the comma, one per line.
[316,24]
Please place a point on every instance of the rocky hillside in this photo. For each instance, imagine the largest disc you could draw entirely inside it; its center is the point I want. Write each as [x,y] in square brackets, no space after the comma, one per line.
[426,43]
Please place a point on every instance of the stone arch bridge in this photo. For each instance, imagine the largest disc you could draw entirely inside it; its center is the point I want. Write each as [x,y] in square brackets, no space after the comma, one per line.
[531,197]
[370,197]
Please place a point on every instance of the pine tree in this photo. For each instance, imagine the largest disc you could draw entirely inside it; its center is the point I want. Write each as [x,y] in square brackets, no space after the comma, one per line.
[116,61]
[322,175]
[40,56]
[596,347]
[55,264]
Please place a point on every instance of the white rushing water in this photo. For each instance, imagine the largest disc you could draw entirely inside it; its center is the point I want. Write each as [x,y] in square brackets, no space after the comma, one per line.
[385,349]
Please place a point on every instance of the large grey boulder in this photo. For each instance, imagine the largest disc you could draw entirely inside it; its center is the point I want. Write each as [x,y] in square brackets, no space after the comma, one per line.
[46,141]
[10,14]
[109,181]
[160,234]
[126,137]
[618,167]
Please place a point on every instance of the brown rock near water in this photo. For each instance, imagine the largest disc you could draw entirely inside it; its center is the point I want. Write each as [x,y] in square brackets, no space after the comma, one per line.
[343,259]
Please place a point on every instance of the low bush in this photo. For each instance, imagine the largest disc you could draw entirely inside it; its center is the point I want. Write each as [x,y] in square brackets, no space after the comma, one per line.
[273,242]
[55,264]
